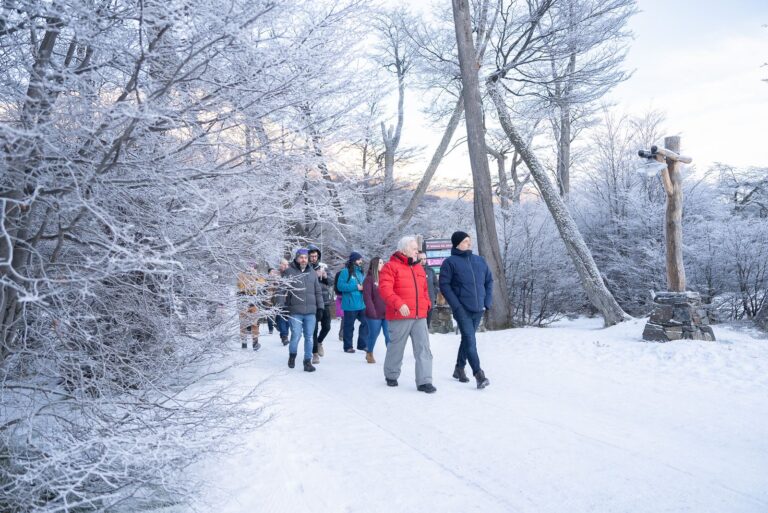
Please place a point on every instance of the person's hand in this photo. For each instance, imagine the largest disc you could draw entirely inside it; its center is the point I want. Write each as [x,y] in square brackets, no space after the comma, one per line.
[359,287]
[319,313]
[404,310]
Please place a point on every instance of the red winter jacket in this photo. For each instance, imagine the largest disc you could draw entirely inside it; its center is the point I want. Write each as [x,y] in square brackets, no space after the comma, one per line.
[400,283]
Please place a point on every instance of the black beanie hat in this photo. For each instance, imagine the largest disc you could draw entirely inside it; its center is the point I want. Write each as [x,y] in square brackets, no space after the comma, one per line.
[457,237]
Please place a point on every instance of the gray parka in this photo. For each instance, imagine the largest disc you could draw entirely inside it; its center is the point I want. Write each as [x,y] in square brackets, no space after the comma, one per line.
[304,294]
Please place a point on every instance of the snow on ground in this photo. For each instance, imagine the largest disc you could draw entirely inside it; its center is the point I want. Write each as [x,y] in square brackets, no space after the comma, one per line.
[576,419]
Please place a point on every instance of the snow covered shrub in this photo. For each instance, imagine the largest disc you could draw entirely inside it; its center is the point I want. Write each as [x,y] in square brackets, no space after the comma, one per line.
[542,283]
[150,151]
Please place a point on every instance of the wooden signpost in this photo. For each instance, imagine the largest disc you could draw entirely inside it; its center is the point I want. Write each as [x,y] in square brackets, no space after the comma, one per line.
[678,314]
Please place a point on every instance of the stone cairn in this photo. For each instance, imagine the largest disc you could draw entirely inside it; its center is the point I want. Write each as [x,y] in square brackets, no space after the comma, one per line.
[678,316]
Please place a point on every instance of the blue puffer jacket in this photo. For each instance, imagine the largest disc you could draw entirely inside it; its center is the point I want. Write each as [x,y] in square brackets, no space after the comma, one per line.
[466,282]
[351,298]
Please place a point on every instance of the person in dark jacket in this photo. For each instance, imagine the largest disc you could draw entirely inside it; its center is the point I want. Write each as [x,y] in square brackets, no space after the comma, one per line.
[281,319]
[432,285]
[350,283]
[324,321]
[302,299]
[375,308]
[467,284]
[403,287]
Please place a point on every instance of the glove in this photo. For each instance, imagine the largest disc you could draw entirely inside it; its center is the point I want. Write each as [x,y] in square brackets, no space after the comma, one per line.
[319,313]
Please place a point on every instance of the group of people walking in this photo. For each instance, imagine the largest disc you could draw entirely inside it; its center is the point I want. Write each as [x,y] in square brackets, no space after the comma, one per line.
[395,298]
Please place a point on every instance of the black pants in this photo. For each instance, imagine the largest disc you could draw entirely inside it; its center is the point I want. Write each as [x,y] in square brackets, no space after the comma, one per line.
[324,325]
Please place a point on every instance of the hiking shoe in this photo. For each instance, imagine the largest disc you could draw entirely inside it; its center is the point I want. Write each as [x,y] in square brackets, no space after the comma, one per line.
[308,367]
[426,387]
[350,350]
[482,381]
[320,349]
[256,345]
[369,358]
[315,358]
[391,382]
[459,374]
[292,360]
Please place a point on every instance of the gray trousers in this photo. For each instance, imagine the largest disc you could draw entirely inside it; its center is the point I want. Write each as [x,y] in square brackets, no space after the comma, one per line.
[399,331]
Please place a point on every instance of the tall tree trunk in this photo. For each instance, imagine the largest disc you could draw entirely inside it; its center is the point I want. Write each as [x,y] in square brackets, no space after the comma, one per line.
[437,157]
[391,137]
[314,136]
[589,274]
[564,150]
[501,161]
[483,37]
[499,316]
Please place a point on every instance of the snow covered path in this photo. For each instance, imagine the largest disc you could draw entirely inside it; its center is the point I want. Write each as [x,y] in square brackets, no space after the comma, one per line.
[576,419]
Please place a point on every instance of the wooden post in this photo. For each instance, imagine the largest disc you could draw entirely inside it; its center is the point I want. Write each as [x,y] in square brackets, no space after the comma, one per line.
[673,184]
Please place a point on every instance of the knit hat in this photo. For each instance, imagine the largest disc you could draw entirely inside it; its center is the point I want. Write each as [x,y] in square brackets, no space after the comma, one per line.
[457,237]
[354,256]
[302,251]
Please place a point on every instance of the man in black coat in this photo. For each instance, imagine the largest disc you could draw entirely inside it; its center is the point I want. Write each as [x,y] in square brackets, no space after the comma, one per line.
[323,324]
[467,284]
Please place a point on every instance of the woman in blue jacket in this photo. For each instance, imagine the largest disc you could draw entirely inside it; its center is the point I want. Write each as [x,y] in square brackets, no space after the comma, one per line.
[351,286]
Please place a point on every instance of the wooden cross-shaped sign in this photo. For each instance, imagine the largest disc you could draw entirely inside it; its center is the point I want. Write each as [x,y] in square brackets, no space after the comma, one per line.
[673,185]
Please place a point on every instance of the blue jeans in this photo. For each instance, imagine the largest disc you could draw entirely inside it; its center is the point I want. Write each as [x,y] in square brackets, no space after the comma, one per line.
[468,323]
[282,325]
[302,324]
[349,328]
[374,326]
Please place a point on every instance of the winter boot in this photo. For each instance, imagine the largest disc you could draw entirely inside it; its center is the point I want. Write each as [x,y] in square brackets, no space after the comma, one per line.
[369,358]
[315,358]
[308,367]
[256,345]
[482,381]
[320,350]
[459,374]
[245,345]
[391,382]
[292,360]
[426,387]
[284,340]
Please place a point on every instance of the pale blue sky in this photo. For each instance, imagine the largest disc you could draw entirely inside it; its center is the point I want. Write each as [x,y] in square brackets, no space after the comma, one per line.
[700,62]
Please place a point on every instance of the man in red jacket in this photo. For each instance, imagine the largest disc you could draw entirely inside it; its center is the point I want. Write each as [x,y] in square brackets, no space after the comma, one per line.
[403,287]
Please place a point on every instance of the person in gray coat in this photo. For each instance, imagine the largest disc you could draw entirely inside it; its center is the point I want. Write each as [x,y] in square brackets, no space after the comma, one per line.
[432,285]
[302,300]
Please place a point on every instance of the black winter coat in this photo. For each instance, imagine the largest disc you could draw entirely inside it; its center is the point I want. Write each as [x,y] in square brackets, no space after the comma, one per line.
[466,281]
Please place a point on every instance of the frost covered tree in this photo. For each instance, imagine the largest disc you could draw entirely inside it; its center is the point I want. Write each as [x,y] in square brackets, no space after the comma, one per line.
[150,150]
[523,38]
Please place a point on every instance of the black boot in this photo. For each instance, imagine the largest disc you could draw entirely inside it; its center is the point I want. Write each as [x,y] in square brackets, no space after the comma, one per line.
[308,367]
[284,340]
[482,381]
[292,360]
[256,345]
[245,345]
[459,374]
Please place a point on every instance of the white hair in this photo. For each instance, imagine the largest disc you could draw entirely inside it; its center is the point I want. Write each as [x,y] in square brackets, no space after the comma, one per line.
[403,243]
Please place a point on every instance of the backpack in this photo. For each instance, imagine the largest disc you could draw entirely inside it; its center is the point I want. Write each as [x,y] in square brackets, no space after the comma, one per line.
[336,281]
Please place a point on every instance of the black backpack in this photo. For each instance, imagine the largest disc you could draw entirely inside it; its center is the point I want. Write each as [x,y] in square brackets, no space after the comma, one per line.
[336,281]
